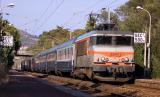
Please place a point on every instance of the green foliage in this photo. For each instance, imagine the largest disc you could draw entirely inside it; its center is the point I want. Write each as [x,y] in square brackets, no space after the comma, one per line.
[113,16]
[102,17]
[78,32]
[155,66]
[11,30]
[138,21]
[139,52]
[90,25]
[54,37]
[7,53]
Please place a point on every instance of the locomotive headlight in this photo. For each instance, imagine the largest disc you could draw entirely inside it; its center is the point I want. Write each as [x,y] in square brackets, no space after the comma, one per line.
[103,59]
[98,60]
[125,59]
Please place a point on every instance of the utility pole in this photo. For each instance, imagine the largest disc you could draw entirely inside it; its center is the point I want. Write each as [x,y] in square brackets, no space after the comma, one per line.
[109,16]
[147,45]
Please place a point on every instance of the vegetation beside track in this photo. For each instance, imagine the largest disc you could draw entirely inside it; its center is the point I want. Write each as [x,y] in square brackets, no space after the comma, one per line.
[7,53]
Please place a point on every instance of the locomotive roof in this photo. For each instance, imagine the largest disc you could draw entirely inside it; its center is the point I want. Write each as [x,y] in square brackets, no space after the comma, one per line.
[99,32]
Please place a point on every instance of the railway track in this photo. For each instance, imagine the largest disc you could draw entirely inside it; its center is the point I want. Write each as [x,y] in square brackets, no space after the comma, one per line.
[101,89]
[119,95]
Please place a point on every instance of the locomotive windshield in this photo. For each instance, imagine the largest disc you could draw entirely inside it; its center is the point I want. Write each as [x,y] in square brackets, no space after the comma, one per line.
[121,40]
[102,40]
[112,40]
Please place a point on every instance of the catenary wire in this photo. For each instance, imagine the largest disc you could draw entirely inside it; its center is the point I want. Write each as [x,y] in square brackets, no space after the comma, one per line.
[42,15]
[50,15]
[82,11]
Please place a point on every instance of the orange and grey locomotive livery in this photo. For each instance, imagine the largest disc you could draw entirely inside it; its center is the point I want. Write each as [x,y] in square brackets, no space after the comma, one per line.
[102,55]
[105,55]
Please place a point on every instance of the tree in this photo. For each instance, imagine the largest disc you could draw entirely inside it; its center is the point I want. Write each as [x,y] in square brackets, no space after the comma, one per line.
[51,38]
[7,53]
[91,23]
[138,21]
[78,32]
[95,18]
[104,16]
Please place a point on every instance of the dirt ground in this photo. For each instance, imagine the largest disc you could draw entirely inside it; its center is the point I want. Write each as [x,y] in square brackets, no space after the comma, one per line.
[102,89]
[24,85]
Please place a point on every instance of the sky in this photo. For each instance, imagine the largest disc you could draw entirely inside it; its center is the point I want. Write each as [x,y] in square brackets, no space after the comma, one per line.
[37,16]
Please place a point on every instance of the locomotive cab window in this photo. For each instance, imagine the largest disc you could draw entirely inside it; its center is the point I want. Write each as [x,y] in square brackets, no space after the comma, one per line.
[101,40]
[124,40]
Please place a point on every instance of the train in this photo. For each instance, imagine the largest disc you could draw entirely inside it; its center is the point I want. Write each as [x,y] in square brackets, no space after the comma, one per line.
[101,54]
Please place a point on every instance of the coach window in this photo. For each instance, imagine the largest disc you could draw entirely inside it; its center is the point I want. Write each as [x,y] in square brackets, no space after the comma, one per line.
[54,55]
[63,54]
[68,52]
[59,55]
[50,56]
[71,50]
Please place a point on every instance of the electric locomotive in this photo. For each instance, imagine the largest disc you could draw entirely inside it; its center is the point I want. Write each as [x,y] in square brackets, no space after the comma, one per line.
[105,55]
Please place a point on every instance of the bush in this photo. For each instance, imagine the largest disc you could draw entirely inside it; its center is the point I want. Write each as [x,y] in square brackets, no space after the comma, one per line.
[155,67]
